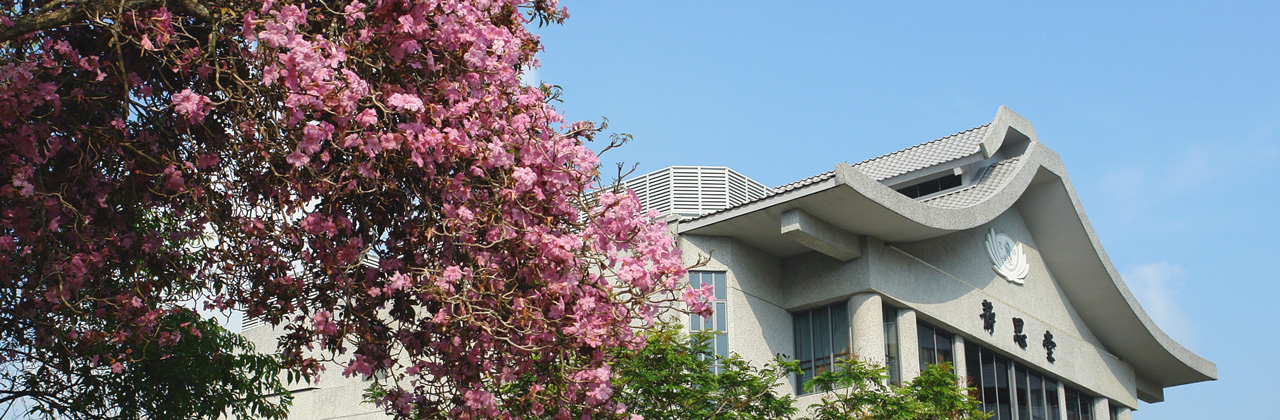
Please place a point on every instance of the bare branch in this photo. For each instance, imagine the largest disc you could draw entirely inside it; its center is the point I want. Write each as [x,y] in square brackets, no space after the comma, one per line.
[74,11]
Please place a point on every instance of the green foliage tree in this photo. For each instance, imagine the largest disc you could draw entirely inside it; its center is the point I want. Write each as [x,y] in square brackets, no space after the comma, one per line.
[676,376]
[860,390]
[209,373]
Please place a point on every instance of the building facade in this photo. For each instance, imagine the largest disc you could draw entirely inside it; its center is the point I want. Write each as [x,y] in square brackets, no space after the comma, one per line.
[971,249]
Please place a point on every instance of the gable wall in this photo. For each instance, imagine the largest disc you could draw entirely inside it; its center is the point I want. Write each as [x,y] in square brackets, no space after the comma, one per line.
[946,279]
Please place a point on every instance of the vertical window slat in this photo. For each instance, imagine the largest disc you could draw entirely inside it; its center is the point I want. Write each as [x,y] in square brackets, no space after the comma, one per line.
[891,344]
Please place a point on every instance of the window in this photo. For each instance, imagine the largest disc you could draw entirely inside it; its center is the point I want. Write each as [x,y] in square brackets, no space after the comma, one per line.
[935,345]
[717,321]
[891,344]
[931,186]
[1051,395]
[822,337]
[1079,405]
[1007,389]
[989,373]
[1073,406]
[1035,383]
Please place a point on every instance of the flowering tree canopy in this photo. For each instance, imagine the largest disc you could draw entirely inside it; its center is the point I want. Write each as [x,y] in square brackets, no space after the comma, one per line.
[368,176]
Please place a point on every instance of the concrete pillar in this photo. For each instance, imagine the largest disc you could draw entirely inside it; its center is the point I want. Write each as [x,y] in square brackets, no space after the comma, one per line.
[957,351]
[866,315]
[1101,409]
[908,345]
[1123,413]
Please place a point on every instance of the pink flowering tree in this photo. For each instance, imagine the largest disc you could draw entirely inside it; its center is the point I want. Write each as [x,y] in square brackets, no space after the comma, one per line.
[368,176]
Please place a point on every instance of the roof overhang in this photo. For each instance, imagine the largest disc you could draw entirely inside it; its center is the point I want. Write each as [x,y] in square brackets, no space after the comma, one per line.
[851,201]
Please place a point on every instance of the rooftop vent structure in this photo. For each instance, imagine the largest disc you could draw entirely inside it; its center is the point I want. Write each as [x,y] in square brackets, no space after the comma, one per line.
[694,190]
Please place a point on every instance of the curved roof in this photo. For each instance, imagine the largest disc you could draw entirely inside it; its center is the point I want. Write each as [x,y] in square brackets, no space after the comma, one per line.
[1018,171]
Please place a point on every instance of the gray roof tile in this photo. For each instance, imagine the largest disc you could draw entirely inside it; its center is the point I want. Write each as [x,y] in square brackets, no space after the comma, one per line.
[988,183]
[922,156]
[917,157]
[810,180]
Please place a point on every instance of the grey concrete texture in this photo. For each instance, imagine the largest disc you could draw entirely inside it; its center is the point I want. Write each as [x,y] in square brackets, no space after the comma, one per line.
[946,280]
[819,235]
[866,316]
[942,281]
[331,397]
[1038,188]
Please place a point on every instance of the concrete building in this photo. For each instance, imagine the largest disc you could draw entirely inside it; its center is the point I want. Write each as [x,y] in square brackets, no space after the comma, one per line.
[972,248]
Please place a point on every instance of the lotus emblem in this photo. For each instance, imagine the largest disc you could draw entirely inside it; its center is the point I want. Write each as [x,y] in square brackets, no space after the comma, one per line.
[1007,256]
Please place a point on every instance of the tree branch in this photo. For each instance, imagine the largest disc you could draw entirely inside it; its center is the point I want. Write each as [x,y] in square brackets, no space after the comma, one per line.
[79,10]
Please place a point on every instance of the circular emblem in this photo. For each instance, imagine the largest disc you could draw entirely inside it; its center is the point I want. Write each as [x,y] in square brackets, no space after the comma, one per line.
[1007,256]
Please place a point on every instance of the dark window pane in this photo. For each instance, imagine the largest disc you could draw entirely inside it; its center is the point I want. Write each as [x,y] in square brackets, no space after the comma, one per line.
[806,373]
[950,181]
[1073,405]
[928,187]
[821,335]
[931,186]
[1086,407]
[928,351]
[1004,406]
[973,367]
[1020,385]
[719,287]
[1051,396]
[943,341]
[891,344]
[1035,385]
[840,331]
[804,341]
[990,398]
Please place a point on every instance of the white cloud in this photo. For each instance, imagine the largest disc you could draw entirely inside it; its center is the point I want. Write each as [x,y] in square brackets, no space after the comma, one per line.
[1156,286]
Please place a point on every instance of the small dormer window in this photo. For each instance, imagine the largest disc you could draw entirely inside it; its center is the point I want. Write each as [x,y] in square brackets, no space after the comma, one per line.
[931,186]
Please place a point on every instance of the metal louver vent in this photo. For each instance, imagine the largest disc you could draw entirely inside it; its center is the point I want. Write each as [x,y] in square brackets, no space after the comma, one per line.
[694,190]
[247,323]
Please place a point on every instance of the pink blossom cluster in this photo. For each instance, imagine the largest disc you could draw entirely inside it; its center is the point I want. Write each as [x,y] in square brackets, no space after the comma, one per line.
[369,176]
[87,231]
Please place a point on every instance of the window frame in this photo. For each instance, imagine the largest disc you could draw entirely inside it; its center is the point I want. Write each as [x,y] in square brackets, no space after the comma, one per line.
[937,339]
[892,347]
[718,321]
[1019,389]
[836,328]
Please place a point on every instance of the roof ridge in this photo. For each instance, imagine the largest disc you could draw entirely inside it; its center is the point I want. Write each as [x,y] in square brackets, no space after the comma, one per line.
[803,180]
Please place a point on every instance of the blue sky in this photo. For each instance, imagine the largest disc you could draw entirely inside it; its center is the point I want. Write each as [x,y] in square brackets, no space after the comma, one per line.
[1167,116]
